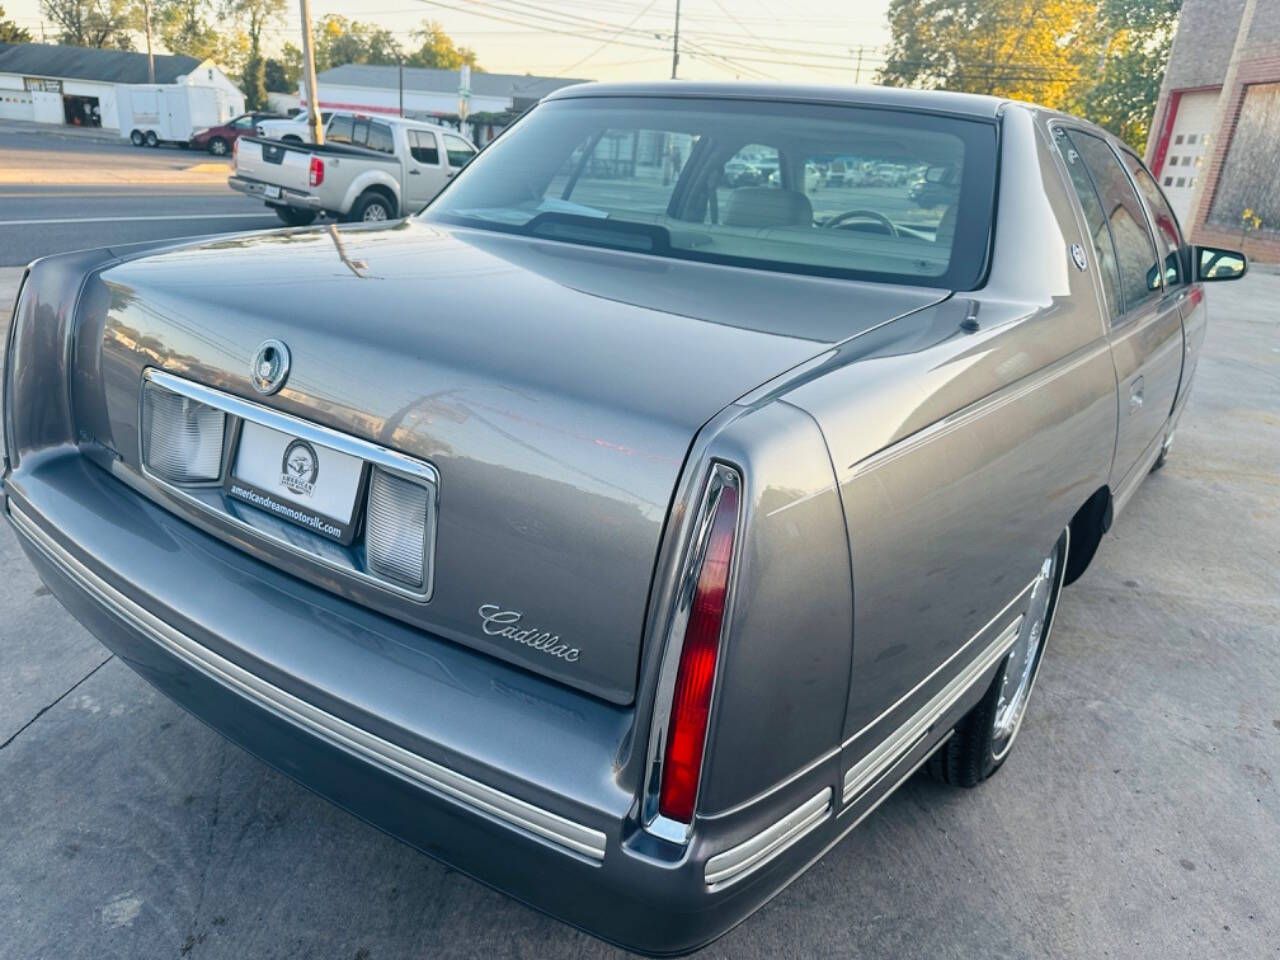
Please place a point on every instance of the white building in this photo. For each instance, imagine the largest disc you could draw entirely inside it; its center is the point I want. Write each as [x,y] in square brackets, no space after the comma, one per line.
[80,86]
[428,94]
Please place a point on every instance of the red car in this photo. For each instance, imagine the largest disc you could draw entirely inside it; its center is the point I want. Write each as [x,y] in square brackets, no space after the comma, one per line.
[218,140]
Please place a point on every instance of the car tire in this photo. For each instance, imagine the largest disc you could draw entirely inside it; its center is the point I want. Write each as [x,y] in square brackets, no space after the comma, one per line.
[218,147]
[371,207]
[982,740]
[137,139]
[152,139]
[294,217]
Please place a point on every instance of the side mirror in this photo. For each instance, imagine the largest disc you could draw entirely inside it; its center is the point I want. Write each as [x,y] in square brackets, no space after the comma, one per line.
[1214,263]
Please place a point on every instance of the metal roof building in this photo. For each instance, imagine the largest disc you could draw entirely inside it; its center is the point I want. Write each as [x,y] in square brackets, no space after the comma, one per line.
[81,86]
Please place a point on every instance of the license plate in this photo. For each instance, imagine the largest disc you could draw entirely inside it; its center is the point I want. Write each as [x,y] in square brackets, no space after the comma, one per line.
[272,191]
[295,479]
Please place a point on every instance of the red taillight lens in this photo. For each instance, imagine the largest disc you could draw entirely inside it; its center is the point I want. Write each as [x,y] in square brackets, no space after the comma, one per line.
[695,678]
[317,171]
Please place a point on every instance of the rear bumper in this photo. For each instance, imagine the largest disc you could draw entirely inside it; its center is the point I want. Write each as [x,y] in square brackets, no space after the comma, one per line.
[288,198]
[503,775]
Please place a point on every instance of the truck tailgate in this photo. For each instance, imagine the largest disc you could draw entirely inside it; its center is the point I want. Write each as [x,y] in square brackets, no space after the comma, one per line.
[271,161]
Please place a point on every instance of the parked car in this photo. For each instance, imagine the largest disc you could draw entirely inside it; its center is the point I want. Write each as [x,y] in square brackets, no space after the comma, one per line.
[219,139]
[296,129]
[369,168]
[938,186]
[623,547]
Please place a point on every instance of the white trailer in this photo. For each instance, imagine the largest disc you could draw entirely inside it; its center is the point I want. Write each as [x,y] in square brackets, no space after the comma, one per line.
[170,113]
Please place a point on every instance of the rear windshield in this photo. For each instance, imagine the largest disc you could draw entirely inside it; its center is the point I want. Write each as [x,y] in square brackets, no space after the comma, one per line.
[834,191]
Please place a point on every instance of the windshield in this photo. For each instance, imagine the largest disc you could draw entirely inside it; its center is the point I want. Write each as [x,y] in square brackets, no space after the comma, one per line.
[828,190]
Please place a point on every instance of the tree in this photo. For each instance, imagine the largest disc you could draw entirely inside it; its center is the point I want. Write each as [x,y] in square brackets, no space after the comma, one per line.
[437,49]
[339,41]
[1022,49]
[1122,97]
[93,23]
[10,32]
[252,17]
[281,73]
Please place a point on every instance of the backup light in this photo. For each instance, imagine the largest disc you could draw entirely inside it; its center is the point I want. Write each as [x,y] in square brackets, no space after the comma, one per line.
[695,677]
[181,437]
[316,175]
[397,528]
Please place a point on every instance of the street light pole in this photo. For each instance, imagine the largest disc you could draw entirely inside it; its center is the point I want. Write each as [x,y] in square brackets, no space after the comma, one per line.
[309,72]
[675,44]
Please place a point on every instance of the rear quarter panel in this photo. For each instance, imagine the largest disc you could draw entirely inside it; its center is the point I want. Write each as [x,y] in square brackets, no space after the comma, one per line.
[962,454]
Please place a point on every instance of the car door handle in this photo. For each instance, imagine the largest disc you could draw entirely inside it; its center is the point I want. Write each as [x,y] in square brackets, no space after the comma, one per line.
[414,173]
[1135,395]
[451,174]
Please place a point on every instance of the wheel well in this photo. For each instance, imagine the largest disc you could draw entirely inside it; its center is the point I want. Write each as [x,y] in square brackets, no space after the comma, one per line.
[1091,521]
[381,191]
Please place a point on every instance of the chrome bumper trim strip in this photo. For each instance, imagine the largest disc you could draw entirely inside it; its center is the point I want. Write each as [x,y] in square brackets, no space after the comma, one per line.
[750,855]
[866,772]
[440,779]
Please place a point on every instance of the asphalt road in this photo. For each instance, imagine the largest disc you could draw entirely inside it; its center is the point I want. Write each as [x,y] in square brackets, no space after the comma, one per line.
[47,216]
[1139,816]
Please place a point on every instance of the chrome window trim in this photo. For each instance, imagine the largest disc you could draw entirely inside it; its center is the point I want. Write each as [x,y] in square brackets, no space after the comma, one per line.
[864,774]
[720,476]
[481,798]
[410,469]
[754,853]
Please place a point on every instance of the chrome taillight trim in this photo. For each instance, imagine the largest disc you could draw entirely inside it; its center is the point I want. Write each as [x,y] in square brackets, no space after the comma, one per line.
[749,856]
[407,468]
[459,788]
[720,476]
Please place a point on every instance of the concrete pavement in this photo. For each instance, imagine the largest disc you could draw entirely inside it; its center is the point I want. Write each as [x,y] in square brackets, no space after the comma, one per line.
[1137,818]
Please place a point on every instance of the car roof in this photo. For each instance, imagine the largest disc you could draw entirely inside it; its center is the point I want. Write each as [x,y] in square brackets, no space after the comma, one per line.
[933,101]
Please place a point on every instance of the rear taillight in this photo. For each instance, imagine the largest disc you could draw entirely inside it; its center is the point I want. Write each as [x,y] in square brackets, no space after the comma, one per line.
[690,710]
[317,172]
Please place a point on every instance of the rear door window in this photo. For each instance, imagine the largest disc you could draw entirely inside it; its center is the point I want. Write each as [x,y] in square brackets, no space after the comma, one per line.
[340,130]
[423,149]
[1104,251]
[1140,271]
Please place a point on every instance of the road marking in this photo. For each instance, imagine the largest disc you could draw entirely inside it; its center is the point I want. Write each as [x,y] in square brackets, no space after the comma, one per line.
[164,216]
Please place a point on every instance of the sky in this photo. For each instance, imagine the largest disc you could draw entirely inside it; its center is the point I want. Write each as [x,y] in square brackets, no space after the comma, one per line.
[789,40]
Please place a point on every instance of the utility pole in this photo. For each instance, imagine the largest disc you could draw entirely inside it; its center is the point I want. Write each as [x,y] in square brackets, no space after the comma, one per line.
[400,62]
[857,70]
[151,60]
[309,72]
[675,44]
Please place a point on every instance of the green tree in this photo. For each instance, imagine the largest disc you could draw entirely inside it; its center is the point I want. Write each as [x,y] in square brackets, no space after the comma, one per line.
[10,32]
[339,40]
[437,49]
[281,75]
[1022,49]
[251,17]
[1122,94]
[93,23]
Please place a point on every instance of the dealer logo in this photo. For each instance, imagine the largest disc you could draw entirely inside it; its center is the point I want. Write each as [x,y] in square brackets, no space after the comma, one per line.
[299,468]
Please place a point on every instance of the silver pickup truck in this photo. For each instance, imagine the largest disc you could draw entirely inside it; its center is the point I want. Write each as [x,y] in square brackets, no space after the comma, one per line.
[368,169]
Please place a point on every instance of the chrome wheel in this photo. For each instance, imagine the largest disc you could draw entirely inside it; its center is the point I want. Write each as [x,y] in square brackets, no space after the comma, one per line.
[1024,659]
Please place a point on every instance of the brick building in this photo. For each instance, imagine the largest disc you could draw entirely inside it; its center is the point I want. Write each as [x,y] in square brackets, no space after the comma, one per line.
[1215,143]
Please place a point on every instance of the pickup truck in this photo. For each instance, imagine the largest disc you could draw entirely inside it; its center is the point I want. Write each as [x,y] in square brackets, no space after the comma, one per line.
[368,169]
[295,129]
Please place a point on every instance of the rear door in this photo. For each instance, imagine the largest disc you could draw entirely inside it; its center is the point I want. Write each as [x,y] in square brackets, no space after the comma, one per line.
[1146,327]
[1190,297]
[458,152]
[424,166]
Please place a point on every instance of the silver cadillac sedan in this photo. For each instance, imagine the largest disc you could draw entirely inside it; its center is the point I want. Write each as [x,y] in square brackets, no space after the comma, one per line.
[629,524]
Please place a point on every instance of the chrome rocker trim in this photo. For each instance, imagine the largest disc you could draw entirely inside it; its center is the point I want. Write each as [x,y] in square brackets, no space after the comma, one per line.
[483,799]
[866,772]
[750,855]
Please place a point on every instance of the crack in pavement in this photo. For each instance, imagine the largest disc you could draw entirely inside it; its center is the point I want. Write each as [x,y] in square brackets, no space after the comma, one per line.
[57,700]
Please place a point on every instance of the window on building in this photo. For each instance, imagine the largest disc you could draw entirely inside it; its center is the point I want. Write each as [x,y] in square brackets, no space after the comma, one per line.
[1178,139]
[1181,182]
[1186,161]
[1191,138]
[1168,181]
[1135,250]
[1173,161]
[1191,182]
